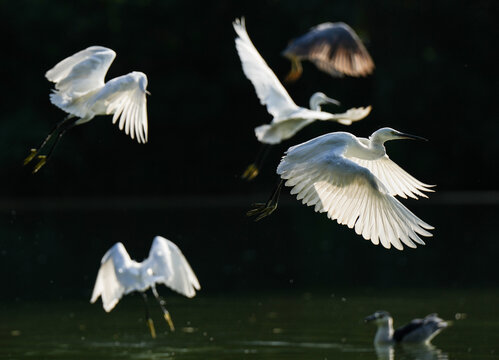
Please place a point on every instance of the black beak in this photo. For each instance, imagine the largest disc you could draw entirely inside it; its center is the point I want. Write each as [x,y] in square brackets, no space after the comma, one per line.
[412,137]
[370,318]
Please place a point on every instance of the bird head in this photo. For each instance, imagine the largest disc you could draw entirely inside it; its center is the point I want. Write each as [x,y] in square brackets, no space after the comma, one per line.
[319,98]
[386,133]
[380,318]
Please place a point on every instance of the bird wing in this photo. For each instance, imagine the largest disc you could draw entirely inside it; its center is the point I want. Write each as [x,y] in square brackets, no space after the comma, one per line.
[81,72]
[350,194]
[334,48]
[170,267]
[125,97]
[351,115]
[110,284]
[268,88]
[396,180]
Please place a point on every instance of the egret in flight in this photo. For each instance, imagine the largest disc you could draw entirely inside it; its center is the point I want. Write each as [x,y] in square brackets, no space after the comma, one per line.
[417,331]
[334,48]
[120,275]
[288,118]
[81,92]
[355,182]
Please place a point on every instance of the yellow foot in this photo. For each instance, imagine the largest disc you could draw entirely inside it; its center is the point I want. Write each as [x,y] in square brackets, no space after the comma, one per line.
[251,172]
[292,76]
[262,210]
[151,328]
[169,321]
[30,156]
[42,160]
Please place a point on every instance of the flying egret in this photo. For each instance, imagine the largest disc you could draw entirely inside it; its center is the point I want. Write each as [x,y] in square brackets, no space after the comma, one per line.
[417,331]
[81,92]
[334,48]
[288,118]
[120,275]
[354,181]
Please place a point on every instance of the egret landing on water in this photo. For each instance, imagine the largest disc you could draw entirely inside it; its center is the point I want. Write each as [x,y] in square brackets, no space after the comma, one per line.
[417,331]
[288,118]
[334,48]
[81,92]
[119,275]
[354,181]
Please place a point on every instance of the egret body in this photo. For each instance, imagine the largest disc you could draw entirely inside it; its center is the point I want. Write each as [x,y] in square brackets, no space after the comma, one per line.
[81,92]
[120,275]
[354,182]
[288,118]
[334,48]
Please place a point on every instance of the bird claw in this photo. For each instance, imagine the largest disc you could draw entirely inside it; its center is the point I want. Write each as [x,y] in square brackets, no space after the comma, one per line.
[41,162]
[250,173]
[30,156]
[292,76]
[262,210]
[168,319]
[150,323]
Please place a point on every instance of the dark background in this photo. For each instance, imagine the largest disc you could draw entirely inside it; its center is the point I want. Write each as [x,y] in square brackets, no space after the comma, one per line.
[436,76]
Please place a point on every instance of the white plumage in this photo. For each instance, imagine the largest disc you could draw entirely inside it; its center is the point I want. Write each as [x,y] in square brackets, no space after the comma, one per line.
[354,182]
[80,90]
[119,274]
[288,118]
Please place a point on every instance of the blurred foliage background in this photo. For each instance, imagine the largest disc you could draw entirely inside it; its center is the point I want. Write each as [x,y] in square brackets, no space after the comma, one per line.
[436,76]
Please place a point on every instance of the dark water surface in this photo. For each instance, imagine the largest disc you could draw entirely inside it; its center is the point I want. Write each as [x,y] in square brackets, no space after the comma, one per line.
[278,325]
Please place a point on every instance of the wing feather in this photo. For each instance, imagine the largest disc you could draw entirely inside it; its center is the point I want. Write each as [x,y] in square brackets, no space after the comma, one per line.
[267,86]
[352,195]
[108,285]
[125,97]
[171,268]
[81,72]
[396,180]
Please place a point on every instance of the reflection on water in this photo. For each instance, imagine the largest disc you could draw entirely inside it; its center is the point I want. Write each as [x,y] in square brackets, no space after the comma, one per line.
[409,351]
[267,326]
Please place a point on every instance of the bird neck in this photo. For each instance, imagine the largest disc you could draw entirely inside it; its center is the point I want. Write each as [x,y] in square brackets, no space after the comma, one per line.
[315,103]
[384,333]
[366,149]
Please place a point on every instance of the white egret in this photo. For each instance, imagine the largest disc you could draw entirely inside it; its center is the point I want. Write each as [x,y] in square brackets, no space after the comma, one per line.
[354,181]
[120,275]
[334,48]
[417,331]
[81,92]
[288,118]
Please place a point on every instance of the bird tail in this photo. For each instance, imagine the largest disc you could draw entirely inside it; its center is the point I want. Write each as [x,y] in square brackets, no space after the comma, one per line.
[74,105]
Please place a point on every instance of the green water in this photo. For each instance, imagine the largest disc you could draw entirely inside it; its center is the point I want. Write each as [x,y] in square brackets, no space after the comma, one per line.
[293,325]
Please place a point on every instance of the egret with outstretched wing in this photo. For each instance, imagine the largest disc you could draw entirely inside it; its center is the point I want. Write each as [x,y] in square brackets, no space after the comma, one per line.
[354,182]
[80,91]
[120,275]
[288,118]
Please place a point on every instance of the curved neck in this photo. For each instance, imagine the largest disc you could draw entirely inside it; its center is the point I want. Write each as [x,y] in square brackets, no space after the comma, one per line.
[315,103]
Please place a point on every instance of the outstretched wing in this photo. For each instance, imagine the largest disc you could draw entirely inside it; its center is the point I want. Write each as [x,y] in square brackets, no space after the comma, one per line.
[351,115]
[268,88]
[108,285]
[169,267]
[396,180]
[81,72]
[350,194]
[125,97]
[334,48]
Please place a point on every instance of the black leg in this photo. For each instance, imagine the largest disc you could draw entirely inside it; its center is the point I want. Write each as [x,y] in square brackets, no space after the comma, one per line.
[162,304]
[253,169]
[61,127]
[265,209]
[149,321]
